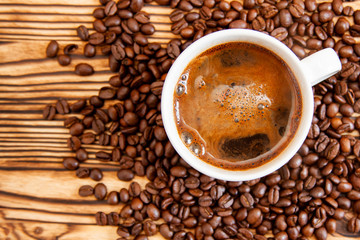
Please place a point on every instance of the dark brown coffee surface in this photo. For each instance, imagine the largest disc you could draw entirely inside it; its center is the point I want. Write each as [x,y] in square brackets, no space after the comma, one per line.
[237,105]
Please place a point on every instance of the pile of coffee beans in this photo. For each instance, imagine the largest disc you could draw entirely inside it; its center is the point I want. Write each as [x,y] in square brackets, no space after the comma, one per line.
[307,197]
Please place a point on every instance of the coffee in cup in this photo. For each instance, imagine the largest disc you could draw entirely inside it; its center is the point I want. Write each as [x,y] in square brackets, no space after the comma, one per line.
[237,105]
[242,78]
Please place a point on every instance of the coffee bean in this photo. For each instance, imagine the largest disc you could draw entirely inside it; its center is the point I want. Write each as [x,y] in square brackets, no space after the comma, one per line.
[88,138]
[296,10]
[173,50]
[52,49]
[68,122]
[136,5]
[344,187]
[254,215]
[62,106]
[82,172]
[140,39]
[96,174]
[142,17]
[110,8]
[81,154]
[107,93]
[165,231]
[49,112]
[314,44]
[285,18]
[310,5]
[84,69]
[78,106]
[153,212]
[100,191]
[98,13]
[86,190]
[131,118]
[83,32]
[96,38]
[71,163]
[125,175]
[326,16]
[101,218]
[280,33]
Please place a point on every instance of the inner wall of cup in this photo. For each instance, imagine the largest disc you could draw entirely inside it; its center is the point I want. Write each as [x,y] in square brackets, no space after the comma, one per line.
[196,49]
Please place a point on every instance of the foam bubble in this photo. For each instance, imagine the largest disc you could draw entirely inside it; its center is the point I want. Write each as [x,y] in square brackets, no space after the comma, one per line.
[186,137]
[180,89]
[195,148]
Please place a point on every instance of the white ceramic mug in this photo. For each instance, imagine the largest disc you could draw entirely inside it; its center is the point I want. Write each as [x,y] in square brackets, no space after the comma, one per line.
[308,72]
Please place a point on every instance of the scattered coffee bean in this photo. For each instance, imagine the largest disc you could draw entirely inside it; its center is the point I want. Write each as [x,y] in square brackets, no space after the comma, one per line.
[71,163]
[86,190]
[49,112]
[82,33]
[52,49]
[96,174]
[100,191]
[84,69]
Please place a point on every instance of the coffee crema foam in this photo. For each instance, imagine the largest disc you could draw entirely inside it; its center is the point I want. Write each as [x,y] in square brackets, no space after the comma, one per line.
[237,105]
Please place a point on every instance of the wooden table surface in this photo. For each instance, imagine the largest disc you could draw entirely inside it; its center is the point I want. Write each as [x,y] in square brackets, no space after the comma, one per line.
[38,198]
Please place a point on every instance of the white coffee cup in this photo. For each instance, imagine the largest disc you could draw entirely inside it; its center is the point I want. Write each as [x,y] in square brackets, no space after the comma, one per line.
[308,72]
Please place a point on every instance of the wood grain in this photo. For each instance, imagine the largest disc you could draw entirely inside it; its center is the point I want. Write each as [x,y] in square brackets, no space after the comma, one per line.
[38,198]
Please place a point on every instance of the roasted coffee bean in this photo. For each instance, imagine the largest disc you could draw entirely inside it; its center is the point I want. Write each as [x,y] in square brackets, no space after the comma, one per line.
[147,29]
[321,233]
[82,32]
[88,138]
[134,189]
[274,195]
[136,5]
[68,122]
[71,163]
[100,191]
[52,49]
[98,126]
[101,218]
[103,156]
[82,172]
[280,33]
[86,190]
[107,93]
[96,174]
[64,60]
[165,231]
[84,69]
[49,112]
[62,106]
[70,48]
[342,25]
[142,17]
[326,16]
[254,215]
[78,106]
[178,171]
[96,38]
[125,174]
[98,13]
[81,155]
[285,18]
[110,8]
[153,212]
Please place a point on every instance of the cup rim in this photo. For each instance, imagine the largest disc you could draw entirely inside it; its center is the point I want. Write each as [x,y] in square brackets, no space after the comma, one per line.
[198,47]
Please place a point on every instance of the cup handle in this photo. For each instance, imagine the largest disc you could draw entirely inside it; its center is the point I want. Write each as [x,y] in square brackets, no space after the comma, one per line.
[321,65]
